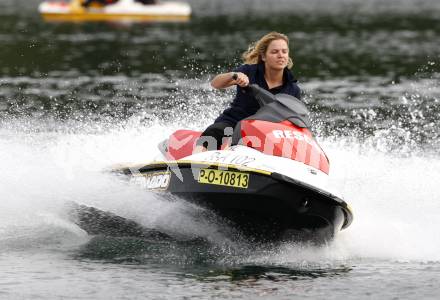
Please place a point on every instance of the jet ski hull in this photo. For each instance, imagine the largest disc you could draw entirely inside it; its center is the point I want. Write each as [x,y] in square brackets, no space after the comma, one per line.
[263,205]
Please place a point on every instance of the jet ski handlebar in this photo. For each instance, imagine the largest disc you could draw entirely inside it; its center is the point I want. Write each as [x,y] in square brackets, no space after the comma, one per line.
[290,102]
[263,97]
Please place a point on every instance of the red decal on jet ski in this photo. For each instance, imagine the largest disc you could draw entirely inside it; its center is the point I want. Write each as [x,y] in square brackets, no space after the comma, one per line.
[284,139]
[181,143]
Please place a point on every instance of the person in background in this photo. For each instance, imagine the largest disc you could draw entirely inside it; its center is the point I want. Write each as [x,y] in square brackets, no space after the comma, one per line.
[87,3]
[147,2]
[79,5]
[266,63]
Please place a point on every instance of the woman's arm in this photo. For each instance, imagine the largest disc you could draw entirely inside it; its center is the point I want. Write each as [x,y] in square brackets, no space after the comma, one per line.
[224,80]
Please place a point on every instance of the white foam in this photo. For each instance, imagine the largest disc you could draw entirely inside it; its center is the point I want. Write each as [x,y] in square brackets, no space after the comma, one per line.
[395,202]
[394,197]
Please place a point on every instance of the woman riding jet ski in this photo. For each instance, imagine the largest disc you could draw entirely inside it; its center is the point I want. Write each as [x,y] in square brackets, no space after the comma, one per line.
[267,64]
[258,165]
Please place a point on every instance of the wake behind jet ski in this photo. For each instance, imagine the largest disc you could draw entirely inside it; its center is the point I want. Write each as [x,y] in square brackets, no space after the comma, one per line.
[270,179]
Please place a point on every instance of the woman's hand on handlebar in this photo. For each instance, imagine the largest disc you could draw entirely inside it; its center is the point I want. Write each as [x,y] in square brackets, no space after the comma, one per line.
[228,79]
[240,79]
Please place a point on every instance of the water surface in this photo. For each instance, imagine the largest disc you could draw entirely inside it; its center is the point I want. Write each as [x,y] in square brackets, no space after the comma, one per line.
[76,98]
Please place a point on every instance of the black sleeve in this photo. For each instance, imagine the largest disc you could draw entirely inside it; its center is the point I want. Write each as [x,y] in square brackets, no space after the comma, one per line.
[243,69]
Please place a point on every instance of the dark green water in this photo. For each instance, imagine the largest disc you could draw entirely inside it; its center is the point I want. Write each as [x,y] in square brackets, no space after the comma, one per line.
[78,97]
[359,63]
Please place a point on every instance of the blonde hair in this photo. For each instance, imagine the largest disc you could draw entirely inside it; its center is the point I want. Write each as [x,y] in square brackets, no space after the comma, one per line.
[256,50]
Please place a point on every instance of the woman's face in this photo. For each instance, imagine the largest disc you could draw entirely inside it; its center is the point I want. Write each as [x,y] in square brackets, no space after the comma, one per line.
[277,55]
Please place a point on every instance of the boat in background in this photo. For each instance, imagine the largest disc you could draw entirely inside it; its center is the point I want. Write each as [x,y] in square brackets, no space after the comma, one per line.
[122,10]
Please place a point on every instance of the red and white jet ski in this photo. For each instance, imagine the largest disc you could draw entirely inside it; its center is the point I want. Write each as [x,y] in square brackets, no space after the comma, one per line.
[271,180]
